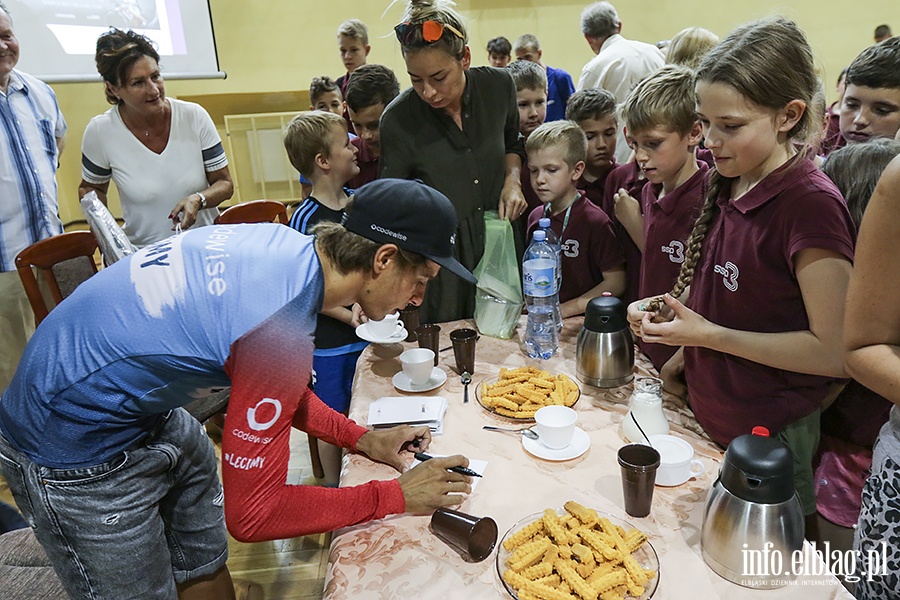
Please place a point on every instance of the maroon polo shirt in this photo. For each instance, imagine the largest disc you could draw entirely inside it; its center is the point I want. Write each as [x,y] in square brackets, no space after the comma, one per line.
[745,280]
[629,178]
[668,222]
[594,189]
[704,155]
[531,198]
[832,139]
[589,246]
[368,165]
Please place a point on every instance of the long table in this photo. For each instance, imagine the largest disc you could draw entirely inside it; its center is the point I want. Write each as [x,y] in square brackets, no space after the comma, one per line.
[399,557]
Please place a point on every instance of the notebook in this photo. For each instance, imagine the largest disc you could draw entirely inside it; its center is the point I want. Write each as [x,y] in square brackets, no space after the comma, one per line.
[409,410]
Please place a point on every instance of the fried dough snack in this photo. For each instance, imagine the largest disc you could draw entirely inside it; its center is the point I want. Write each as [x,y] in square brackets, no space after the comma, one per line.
[519,393]
[577,556]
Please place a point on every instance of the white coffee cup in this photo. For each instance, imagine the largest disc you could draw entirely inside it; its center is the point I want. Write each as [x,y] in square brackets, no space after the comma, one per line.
[417,364]
[389,326]
[676,460]
[556,426]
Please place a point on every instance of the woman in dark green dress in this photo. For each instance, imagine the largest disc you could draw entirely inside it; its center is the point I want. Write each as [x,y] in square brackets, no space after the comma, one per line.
[456,129]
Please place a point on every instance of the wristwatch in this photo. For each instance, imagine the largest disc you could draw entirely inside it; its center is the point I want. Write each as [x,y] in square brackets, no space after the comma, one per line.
[202,200]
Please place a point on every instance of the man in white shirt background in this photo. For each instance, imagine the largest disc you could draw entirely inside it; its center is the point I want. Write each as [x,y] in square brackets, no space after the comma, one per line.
[620,63]
[31,139]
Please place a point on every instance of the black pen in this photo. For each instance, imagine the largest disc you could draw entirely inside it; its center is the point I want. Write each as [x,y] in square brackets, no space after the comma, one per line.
[461,470]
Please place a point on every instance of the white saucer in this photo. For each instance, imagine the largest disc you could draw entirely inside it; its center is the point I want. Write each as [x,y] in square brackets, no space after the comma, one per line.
[363,332]
[580,443]
[402,382]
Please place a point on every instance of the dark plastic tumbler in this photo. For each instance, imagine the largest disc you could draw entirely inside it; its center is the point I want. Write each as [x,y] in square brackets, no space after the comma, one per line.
[463,341]
[410,318]
[639,464]
[429,336]
[473,537]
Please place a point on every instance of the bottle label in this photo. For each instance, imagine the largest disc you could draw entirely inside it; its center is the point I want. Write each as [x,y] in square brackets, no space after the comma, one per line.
[539,277]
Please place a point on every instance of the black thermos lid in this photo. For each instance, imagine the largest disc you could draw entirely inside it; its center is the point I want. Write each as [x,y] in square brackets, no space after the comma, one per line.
[758,469]
[605,314]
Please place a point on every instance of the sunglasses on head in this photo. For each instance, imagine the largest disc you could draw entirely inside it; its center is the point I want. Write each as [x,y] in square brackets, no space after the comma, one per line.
[432,31]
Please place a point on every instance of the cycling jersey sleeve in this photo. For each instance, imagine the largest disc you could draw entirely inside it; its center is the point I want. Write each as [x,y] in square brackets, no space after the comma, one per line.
[269,369]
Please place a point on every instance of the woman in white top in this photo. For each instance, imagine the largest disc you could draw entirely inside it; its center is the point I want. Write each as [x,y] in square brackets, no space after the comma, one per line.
[164,155]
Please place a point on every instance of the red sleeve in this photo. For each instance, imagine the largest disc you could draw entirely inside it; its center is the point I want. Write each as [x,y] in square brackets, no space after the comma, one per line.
[269,369]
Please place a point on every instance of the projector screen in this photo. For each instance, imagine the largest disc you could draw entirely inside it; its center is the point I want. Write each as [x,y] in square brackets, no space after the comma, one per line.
[58,37]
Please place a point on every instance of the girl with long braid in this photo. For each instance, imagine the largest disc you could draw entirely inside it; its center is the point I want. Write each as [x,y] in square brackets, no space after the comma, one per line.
[758,305]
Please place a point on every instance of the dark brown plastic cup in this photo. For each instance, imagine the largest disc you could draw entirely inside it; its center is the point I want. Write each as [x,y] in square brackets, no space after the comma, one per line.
[639,464]
[463,341]
[473,537]
[410,318]
[429,336]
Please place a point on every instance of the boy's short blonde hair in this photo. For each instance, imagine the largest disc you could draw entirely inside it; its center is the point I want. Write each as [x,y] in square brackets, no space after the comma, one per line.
[527,41]
[528,75]
[666,98]
[356,29]
[567,136]
[689,46]
[308,135]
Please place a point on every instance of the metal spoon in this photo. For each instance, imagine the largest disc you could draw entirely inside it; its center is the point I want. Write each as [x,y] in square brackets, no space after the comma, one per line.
[466,379]
[526,431]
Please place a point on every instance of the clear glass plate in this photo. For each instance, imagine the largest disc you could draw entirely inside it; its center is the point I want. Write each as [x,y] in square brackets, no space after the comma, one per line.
[491,410]
[646,555]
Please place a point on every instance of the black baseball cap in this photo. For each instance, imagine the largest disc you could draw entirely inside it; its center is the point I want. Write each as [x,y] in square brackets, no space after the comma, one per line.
[415,217]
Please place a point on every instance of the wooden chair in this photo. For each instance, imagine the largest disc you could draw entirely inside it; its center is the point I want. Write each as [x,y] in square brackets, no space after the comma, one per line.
[64,260]
[256,211]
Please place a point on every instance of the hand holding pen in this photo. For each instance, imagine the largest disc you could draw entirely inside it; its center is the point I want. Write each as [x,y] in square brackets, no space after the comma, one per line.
[421,456]
[435,483]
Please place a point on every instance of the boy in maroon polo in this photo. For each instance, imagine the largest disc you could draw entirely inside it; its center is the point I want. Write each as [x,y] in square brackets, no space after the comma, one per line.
[592,260]
[531,100]
[661,123]
[594,110]
[370,89]
[870,107]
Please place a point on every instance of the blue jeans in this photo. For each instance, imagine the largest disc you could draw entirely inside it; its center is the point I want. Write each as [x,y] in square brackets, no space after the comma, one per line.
[131,527]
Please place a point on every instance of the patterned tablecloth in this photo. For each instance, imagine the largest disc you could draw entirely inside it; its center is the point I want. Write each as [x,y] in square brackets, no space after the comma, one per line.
[399,557]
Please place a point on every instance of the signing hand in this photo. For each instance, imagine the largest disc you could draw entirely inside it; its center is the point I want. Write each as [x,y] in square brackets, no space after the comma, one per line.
[430,485]
[686,328]
[185,212]
[394,446]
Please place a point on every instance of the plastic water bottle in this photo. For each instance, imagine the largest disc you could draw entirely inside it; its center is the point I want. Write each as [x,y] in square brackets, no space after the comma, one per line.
[554,241]
[539,268]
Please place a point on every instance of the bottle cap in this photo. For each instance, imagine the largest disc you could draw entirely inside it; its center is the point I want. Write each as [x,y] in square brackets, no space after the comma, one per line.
[760,431]
[544,223]
[540,235]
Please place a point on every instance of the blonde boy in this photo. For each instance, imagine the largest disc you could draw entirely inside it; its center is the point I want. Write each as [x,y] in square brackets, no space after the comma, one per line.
[317,145]
[662,127]
[559,83]
[592,259]
[531,94]
[353,43]
[531,99]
